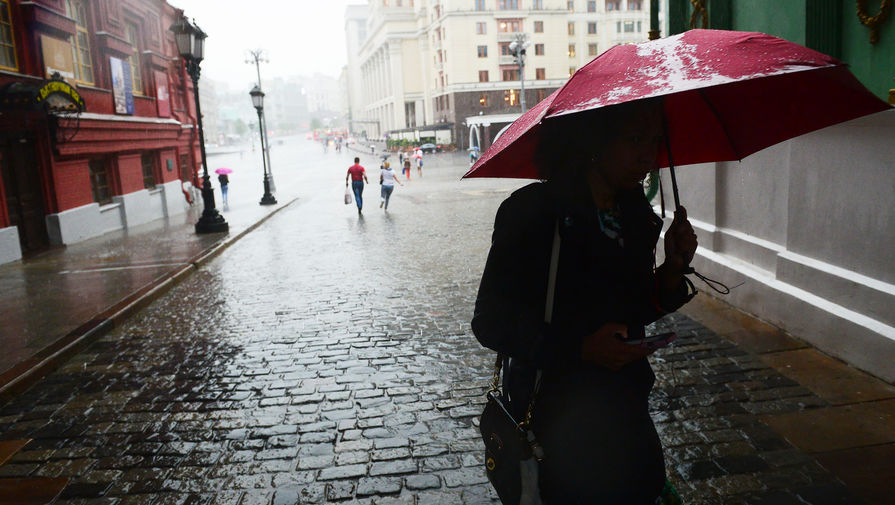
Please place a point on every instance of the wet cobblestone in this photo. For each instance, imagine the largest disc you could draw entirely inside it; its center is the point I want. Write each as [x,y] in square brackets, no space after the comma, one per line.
[328,358]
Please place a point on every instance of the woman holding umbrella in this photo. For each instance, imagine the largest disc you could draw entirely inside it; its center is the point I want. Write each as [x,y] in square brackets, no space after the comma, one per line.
[591,415]
[224,181]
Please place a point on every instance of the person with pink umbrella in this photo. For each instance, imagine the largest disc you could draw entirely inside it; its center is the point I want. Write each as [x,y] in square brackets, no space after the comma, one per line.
[224,181]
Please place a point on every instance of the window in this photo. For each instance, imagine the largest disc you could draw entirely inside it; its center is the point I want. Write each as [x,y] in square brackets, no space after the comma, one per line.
[539,49]
[186,174]
[539,27]
[634,5]
[571,28]
[481,28]
[7,44]
[591,49]
[591,28]
[613,5]
[410,114]
[509,74]
[570,5]
[132,34]
[572,71]
[639,26]
[571,50]
[537,5]
[540,74]
[483,100]
[505,49]
[81,47]
[147,160]
[99,181]
[483,76]
[483,51]
[479,5]
[592,6]
[511,97]
[618,26]
[509,25]
[541,94]
[505,5]
[629,27]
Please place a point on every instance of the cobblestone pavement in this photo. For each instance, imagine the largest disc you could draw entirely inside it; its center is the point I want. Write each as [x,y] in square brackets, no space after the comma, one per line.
[327,357]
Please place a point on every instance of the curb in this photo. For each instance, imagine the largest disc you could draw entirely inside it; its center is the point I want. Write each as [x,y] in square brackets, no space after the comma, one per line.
[25,374]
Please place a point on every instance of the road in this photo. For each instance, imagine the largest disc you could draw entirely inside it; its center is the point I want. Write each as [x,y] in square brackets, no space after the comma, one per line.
[327,357]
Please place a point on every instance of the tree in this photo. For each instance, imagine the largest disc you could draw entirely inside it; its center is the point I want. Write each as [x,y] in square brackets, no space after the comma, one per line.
[240,127]
[316,124]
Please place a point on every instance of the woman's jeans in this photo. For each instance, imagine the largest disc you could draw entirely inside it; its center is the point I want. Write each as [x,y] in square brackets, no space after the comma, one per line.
[358,187]
[386,194]
[224,193]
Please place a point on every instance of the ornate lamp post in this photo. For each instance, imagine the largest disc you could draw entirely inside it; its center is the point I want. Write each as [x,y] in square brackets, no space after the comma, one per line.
[256,56]
[518,46]
[190,40]
[258,103]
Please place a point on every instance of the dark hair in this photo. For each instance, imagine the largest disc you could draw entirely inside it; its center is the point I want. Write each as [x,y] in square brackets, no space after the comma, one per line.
[356,159]
[568,144]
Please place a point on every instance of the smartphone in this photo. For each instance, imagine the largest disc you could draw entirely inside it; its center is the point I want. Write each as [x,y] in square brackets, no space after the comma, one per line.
[653,341]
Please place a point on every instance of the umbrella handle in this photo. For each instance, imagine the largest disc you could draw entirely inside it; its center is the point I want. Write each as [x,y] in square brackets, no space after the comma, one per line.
[677,198]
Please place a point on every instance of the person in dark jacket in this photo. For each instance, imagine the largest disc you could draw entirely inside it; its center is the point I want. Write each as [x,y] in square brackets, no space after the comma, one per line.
[591,415]
[224,181]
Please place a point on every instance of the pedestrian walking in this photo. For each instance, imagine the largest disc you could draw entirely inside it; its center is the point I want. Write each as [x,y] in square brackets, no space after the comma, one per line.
[407,168]
[225,185]
[419,161]
[589,232]
[387,178]
[358,176]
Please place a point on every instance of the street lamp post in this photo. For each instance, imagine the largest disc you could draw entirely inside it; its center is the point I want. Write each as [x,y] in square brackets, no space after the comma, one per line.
[518,46]
[257,56]
[258,103]
[190,40]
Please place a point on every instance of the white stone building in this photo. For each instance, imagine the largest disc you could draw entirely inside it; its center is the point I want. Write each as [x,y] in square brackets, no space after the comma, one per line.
[425,66]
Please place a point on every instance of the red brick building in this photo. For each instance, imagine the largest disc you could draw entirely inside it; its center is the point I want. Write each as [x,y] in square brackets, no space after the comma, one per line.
[69,176]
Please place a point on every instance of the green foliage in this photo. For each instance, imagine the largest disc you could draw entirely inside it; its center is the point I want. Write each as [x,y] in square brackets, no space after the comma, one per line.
[240,127]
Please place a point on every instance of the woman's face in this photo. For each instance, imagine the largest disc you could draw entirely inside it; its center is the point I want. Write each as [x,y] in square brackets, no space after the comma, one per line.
[631,148]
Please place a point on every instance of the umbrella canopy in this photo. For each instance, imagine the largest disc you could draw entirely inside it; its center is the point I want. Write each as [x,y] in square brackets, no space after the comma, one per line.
[223,171]
[726,95]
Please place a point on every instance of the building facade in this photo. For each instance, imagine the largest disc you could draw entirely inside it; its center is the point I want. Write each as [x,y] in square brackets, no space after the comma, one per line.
[97,127]
[428,68]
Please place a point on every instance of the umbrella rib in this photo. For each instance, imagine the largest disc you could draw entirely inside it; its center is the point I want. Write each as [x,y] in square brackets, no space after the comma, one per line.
[711,107]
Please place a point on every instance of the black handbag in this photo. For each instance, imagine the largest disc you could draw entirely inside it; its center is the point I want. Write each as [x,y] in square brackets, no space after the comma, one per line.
[509,444]
[512,453]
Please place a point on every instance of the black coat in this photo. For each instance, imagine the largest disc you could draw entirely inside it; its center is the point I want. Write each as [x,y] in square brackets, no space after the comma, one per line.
[600,443]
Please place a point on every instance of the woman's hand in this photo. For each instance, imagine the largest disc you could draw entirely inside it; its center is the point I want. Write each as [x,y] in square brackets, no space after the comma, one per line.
[604,348]
[680,243]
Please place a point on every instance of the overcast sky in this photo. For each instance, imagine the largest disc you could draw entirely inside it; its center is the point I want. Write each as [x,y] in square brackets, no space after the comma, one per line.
[298,36]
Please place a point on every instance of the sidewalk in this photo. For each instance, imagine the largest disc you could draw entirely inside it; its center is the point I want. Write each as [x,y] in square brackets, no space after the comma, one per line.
[852,434]
[57,302]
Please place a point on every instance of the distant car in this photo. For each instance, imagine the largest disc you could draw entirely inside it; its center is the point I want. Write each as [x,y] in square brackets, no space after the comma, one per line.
[430,148]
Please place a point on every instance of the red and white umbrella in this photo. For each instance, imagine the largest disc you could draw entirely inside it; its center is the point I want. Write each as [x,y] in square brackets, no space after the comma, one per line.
[726,95]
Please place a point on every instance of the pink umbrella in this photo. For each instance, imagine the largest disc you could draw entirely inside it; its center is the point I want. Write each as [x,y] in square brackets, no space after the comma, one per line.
[726,95]
[223,171]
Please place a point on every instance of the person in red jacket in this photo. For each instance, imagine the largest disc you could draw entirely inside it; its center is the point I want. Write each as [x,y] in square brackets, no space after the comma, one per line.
[358,176]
